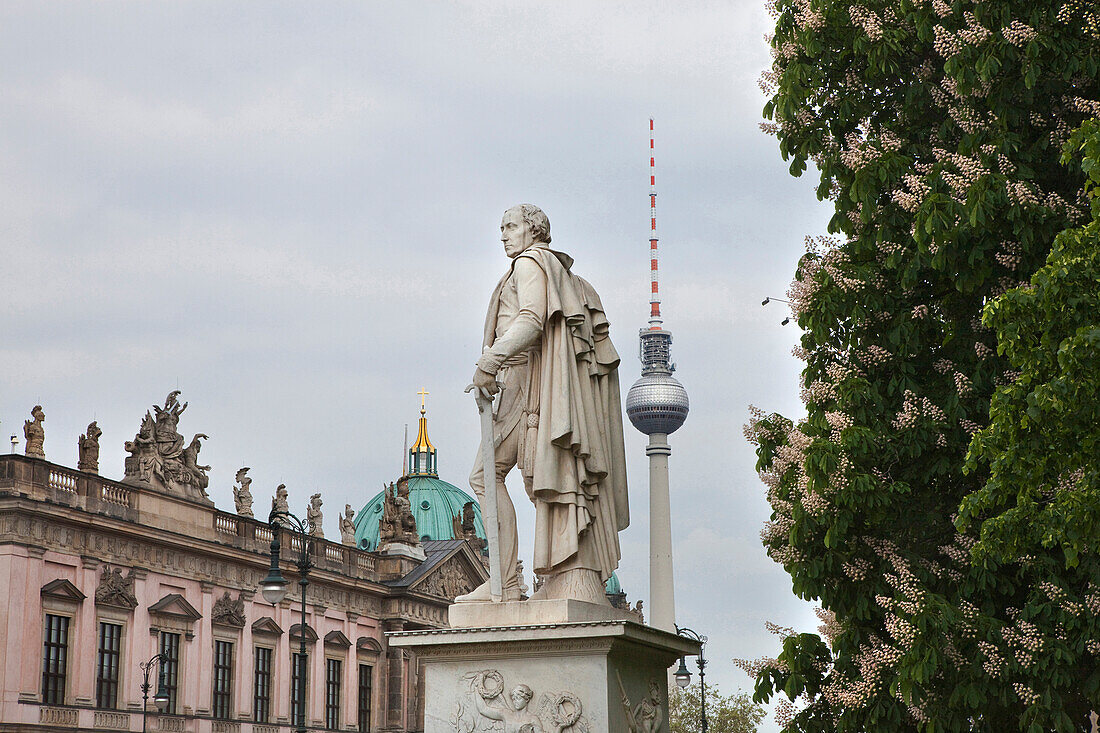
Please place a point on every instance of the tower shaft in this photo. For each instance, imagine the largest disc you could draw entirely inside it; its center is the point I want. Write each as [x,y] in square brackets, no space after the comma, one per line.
[662,601]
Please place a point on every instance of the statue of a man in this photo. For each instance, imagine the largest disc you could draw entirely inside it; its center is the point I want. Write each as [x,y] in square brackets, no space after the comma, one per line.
[88,449]
[314,517]
[347,526]
[559,418]
[35,433]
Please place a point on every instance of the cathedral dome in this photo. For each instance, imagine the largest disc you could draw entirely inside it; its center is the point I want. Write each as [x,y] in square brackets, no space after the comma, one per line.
[436,504]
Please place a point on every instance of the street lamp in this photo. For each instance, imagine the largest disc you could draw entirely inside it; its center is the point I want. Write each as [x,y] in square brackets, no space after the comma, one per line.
[160,698]
[769,299]
[683,676]
[274,590]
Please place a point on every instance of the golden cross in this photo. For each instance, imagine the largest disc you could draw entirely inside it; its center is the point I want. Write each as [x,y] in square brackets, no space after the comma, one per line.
[423,393]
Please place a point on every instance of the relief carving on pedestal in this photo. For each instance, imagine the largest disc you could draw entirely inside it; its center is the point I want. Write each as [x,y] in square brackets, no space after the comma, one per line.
[648,715]
[486,707]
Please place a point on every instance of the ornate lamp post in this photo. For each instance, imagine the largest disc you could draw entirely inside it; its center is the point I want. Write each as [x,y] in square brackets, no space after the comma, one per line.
[160,698]
[274,589]
[683,675]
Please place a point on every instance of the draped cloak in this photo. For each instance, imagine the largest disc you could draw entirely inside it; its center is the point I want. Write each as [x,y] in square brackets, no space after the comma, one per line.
[574,428]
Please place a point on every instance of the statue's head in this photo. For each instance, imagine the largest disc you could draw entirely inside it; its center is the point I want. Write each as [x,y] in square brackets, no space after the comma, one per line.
[654,691]
[522,226]
[521,695]
[37,413]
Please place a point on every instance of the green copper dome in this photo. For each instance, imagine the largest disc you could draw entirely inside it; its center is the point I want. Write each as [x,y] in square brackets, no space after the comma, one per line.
[613,585]
[435,503]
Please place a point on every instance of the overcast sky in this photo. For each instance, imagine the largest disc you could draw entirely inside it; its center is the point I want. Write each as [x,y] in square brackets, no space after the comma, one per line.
[290,212]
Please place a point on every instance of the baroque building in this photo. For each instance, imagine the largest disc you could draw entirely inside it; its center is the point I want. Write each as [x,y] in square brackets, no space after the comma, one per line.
[100,576]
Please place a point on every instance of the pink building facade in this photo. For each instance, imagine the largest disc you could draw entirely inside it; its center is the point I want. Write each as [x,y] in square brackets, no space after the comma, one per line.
[97,577]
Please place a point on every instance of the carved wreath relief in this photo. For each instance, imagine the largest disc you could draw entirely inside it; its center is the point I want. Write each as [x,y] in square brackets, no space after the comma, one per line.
[488,706]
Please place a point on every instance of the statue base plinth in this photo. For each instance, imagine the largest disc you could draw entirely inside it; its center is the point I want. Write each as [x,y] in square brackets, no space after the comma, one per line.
[400,549]
[527,613]
[578,674]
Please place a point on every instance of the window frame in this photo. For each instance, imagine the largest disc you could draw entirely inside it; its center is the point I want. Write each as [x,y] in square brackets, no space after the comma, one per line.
[105,686]
[333,691]
[364,711]
[222,669]
[51,697]
[169,669]
[269,678]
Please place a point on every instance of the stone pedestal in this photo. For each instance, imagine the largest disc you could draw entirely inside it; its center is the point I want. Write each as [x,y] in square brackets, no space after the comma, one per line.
[557,677]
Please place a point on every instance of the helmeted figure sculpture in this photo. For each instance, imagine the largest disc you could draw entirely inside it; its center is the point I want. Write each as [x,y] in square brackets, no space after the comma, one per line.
[558,419]
[35,433]
[88,449]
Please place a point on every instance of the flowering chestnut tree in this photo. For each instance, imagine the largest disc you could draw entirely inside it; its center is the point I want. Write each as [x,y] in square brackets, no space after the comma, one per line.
[919,500]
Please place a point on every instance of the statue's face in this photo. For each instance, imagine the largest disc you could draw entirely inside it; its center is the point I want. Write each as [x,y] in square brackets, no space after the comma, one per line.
[515,233]
[519,700]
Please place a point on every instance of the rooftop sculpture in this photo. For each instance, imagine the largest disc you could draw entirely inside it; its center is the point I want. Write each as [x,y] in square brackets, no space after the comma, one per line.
[88,449]
[35,433]
[398,523]
[158,458]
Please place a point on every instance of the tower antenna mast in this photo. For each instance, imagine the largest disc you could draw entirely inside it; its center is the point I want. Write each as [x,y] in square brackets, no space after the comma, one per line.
[655,294]
[657,405]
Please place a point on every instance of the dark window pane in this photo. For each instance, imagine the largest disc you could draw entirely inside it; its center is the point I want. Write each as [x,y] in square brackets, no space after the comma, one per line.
[223,678]
[107,664]
[55,652]
[170,668]
[333,670]
[261,695]
[366,673]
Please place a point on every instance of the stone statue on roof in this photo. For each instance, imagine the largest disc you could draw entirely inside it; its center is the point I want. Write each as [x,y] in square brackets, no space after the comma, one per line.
[397,523]
[242,496]
[35,433]
[347,526]
[158,458]
[88,449]
[314,517]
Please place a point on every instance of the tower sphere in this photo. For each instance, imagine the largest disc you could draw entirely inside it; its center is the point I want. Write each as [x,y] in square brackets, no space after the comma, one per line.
[657,403]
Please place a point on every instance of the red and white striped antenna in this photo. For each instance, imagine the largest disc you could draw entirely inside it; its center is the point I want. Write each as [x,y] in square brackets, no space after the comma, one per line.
[654,296]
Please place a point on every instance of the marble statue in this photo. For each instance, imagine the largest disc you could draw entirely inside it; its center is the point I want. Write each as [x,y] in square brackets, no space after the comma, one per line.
[347,526]
[158,457]
[280,503]
[87,448]
[648,715]
[242,497]
[558,418]
[314,517]
[35,433]
[487,703]
[397,523]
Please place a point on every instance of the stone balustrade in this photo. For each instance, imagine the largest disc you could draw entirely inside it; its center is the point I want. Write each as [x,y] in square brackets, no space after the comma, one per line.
[41,480]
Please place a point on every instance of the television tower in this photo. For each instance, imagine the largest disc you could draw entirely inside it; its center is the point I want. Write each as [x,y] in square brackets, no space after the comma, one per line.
[657,404]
